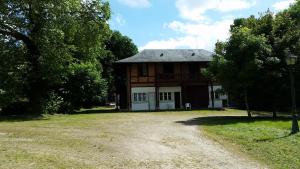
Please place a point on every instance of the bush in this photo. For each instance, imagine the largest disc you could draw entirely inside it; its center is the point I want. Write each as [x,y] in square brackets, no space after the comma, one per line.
[16,108]
[52,104]
[84,87]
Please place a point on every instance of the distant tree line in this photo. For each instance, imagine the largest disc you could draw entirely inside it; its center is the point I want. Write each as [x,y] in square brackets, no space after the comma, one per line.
[57,56]
[251,64]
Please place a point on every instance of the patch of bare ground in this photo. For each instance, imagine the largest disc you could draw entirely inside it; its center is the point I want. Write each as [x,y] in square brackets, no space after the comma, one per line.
[134,140]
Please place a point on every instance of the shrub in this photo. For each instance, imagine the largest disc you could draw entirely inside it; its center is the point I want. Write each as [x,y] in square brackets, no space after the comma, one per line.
[52,104]
[16,108]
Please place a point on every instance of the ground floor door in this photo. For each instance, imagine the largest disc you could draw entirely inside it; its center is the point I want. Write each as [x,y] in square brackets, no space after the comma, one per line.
[197,95]
[177,98]
[151,100]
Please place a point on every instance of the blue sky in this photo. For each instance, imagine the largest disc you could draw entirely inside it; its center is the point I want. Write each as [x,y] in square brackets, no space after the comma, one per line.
[175,24]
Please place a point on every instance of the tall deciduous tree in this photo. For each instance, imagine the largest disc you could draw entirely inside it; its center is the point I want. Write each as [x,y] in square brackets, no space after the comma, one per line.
[238,62]
[48,37]
[253,62]
[118,47]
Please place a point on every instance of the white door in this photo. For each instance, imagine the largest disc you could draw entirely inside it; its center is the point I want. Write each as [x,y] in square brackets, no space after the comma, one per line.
[151,100]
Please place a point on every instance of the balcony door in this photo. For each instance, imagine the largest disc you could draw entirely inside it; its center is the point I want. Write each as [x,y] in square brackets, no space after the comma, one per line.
[168,71]
[193,71]
[143,70]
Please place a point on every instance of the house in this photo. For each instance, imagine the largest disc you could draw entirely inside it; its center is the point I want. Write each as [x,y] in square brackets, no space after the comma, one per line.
[164,79]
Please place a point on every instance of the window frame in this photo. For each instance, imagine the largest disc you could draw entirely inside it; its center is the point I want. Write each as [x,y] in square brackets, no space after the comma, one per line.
[168,68]
[143,70]
[139,97]
[165,96]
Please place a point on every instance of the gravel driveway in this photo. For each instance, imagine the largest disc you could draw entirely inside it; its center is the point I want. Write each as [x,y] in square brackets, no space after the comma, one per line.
[115,140]
[160,141]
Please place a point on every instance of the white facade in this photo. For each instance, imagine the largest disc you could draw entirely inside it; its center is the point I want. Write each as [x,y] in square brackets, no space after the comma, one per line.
[218,101]
[147,103]
[168,103]
[143,98]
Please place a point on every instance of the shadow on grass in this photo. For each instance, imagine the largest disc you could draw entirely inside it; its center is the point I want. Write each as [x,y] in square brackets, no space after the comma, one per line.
[20,118]
[227,120]
[224,120]
[95,111]
[273,139]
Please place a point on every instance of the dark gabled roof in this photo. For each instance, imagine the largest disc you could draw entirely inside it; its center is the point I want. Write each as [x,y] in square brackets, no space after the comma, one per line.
[170,55]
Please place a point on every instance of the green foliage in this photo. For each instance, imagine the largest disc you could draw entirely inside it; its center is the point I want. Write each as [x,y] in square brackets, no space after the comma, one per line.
[12,69]
[253,59]
[118,47]
[84,87]
[121,46]
[42,42]
[52,104]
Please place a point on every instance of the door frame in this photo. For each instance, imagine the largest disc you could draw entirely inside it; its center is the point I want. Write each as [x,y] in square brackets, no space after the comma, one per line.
[177,100]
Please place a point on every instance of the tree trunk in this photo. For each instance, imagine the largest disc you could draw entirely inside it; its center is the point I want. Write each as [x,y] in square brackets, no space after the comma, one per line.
[212,97]
[247,103]
[274,112]
[36,86]
[35,98]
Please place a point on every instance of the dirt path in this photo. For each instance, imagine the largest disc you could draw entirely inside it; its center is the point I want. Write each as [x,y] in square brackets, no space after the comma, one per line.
[115,141]
[153,141]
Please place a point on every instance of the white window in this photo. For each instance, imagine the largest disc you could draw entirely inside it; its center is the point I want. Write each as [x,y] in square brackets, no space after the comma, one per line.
[139,97]
[165,96]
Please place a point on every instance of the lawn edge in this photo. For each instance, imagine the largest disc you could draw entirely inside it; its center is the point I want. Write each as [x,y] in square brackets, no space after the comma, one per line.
[233,147]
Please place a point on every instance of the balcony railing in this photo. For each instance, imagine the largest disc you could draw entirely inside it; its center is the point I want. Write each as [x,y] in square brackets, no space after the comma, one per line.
[180,77]
[142,79]
[168,78]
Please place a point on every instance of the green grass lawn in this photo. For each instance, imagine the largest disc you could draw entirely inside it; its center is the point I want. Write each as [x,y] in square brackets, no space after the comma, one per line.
[264,139]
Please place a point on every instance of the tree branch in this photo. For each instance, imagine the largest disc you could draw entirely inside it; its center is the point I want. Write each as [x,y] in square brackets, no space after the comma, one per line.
[15,34]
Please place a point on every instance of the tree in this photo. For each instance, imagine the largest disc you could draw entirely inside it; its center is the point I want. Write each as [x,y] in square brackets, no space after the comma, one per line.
[239,60]
[286,34]
[211,78]
[49,37]
[84,87]
[118,47]
[253,61]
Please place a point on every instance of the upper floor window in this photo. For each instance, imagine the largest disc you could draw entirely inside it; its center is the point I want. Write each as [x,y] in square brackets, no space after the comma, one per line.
[194,68]
[143,70]
[168,68]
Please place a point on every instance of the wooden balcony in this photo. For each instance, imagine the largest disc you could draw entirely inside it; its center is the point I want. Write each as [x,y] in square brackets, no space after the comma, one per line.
[180,77]
[142,79]
[165,78]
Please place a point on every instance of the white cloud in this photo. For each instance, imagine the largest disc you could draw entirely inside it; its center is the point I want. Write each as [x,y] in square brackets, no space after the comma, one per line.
[194,35]
[117,21]
[120,20]
[283,4]
[195,9]
[197,30]
[136,3]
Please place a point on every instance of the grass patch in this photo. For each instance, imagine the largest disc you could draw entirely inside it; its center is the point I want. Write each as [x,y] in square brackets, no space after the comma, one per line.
[263,138]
